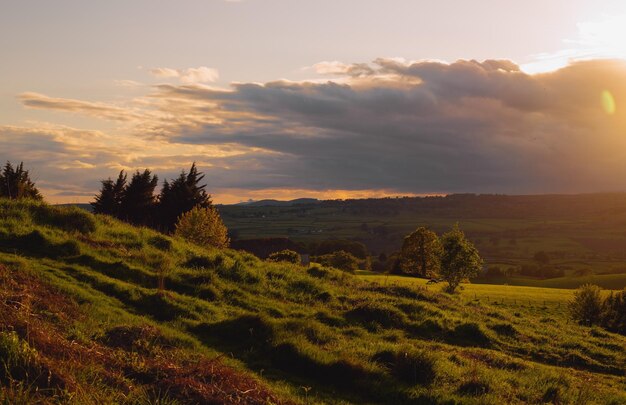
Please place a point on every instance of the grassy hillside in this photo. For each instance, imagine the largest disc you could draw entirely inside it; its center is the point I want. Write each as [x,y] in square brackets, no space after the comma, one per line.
[581,233]
[96,311]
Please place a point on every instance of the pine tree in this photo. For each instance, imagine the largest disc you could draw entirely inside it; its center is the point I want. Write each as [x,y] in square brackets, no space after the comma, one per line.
[109,200]
[180,196]
[138,201]
[15,183]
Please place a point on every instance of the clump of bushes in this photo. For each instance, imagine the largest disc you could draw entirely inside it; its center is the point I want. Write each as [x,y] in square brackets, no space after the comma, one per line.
[589,308]
[341,260]
[286,255]
[586,307]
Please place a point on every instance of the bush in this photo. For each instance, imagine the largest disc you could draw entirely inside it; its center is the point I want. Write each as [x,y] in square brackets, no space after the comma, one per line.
[586,307]
[340,260]
[285,256]
[203,226]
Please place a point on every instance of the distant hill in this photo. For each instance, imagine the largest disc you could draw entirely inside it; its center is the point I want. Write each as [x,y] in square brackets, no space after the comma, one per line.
[278,203]
[87,207]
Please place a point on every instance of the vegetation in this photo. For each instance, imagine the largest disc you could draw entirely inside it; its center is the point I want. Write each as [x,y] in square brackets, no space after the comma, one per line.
[586,307]
[202,226]
[137,203]
[582,235]
[589,307]
[340,260]
[286,255]
[460,259]
[15,183]
[84,319]
[421,253]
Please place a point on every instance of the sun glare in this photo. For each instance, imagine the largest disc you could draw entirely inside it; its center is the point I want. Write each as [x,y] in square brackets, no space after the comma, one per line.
[608,102]
[605,37]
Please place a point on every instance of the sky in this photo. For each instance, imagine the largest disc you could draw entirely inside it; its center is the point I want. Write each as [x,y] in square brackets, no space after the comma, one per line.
[328,99]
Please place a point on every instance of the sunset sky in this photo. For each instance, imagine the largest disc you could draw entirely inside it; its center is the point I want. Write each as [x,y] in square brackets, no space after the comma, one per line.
[328,99]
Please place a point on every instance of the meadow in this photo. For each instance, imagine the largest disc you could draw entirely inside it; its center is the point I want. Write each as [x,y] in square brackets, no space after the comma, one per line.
[97,311]
[584,235]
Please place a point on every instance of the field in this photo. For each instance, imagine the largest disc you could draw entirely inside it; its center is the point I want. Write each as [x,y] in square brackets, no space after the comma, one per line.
[96,311]
[582,234]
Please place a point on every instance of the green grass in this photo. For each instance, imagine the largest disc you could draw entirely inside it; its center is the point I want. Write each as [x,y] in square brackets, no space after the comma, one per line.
[580,240]
[312,335]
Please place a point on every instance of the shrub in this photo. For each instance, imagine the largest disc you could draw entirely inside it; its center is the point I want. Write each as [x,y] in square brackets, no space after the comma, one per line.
[203,226]
[285,256]
[586,307]
[340,260]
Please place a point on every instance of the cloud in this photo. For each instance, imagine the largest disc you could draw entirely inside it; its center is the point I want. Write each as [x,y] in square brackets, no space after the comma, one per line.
[98,110]
[393,125]
[201,74]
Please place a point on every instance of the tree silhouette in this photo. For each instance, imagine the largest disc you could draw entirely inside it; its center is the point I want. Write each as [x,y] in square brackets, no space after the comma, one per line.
[180,196]
[15,183]
[109,200]
[138,201]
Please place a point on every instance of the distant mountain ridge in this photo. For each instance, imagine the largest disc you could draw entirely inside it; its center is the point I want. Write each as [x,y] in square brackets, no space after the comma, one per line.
[278,203]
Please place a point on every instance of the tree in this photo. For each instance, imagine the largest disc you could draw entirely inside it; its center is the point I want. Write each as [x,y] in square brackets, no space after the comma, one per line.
[460,258]
[138,200]
[586,307]
[202,226]
[181,195]
[285,256]
[109,200]
[15,183]
[421,253]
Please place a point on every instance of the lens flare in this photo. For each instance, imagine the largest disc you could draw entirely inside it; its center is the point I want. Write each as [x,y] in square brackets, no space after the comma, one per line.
[608,102]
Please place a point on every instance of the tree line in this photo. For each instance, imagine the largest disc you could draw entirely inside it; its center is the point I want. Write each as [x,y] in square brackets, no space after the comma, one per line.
[136,201]
[182,206]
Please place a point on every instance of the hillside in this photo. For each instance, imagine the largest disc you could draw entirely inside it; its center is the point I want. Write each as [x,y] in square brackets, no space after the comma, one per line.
[96,311]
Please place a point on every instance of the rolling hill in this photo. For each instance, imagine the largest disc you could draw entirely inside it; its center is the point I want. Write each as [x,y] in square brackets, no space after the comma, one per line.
[93,310]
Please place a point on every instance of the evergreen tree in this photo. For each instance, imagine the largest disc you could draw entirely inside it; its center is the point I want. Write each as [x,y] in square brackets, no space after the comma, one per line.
[180,196]
[138,201]
[109,200]
[15,183]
